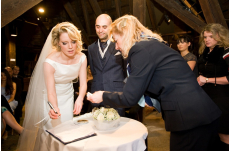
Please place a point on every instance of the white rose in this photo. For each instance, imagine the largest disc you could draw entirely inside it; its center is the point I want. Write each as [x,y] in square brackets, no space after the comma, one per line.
[95,114]
[100,117]
[110,115]
[102,109]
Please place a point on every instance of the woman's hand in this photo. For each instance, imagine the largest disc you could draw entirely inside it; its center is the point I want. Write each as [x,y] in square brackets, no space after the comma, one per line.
[52,113]
[201,80]
[78,106]
[96,97]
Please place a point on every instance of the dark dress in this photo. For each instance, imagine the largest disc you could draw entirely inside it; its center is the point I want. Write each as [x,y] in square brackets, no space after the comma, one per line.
[214,65]
[191,57]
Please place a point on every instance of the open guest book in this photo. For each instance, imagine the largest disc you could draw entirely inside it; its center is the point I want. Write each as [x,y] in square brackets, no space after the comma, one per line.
[69,132]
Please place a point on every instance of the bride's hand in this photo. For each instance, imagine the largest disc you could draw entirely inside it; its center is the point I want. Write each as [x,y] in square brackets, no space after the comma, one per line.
[78,106]
[53,115]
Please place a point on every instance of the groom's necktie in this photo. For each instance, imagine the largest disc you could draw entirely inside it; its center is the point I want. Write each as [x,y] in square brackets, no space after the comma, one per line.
[103,45]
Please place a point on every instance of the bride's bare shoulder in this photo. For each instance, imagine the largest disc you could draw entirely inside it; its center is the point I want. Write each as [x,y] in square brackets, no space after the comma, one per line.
[81,53]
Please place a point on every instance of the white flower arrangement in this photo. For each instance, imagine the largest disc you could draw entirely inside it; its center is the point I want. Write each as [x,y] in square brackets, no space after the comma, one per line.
[105,114]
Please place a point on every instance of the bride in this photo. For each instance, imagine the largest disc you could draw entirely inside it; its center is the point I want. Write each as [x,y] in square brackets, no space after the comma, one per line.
[60,62]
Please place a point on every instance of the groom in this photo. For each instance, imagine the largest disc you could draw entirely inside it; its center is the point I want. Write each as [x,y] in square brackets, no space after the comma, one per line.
[106,63]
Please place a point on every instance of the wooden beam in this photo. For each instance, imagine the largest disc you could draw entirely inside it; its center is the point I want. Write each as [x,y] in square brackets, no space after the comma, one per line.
[75,20]
[212,12]
[184,15]
[10,48]
[160,21]
[11,9]
[139,10]
[151,13]
[86,16]
[178,33]
[105,5]
[192,9]
[131,6]
[118,8]
[95,7]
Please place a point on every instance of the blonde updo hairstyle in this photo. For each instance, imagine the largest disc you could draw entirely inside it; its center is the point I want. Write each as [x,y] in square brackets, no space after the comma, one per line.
[71,30]
[216,29]
[132,31]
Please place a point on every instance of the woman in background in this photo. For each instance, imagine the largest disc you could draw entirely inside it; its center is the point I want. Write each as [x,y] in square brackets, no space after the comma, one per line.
[185,46]
[8,89]
[8,118]
[214,73]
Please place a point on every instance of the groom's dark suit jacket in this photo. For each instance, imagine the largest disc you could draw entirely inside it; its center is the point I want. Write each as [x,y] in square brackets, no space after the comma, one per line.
[162,73]
[108,72]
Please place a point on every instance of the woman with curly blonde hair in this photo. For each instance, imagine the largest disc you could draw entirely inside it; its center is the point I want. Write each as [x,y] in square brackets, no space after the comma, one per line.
[60,62]
[213,67]
[157,71]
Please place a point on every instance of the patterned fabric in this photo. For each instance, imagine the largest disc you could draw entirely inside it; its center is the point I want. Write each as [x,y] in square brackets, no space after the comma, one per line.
[103,45]
[190,57]
[4,109]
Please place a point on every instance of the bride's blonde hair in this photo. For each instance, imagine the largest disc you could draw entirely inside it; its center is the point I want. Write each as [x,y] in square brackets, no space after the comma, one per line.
[71,30]
[132,31]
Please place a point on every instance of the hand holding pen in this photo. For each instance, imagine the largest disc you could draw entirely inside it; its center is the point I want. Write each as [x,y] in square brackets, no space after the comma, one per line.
[54,112]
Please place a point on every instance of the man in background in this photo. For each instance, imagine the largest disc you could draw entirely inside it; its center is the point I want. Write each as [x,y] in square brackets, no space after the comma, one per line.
[106,63]
[16,71]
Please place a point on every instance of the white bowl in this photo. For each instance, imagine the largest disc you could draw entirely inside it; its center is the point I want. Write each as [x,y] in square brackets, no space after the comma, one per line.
[106,125]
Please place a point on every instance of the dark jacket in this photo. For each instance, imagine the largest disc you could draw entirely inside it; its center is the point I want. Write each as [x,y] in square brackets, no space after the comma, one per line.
[162,73]
[110,76]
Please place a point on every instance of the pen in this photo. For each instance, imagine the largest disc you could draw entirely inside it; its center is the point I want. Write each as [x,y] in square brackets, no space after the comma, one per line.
[52,107]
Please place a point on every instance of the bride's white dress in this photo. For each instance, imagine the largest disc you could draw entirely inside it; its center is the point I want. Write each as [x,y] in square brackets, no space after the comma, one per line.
[64,75]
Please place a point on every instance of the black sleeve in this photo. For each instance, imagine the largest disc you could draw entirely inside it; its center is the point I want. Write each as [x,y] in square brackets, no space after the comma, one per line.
[125,67]
[5,103]
[137,82]
[90,60]
[226,58]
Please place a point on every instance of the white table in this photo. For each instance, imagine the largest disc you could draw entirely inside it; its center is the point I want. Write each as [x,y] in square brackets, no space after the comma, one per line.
[129,136]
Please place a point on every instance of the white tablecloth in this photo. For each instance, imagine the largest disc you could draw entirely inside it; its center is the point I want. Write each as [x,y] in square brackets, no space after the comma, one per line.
[129,136]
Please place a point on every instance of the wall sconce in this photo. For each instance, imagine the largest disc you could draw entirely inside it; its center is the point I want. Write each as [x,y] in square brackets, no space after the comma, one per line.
[13,31]
[167,18]
[12,59]
[41,10]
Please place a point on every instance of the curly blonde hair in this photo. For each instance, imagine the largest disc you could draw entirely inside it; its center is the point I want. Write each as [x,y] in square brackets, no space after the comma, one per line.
[216,29]
[71,30]
[132,31]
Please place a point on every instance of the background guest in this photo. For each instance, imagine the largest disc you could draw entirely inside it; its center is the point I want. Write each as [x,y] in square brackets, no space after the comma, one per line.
[185,46]
[214,73]
[16,71]
[18,94]
[8,118]
[8,89]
